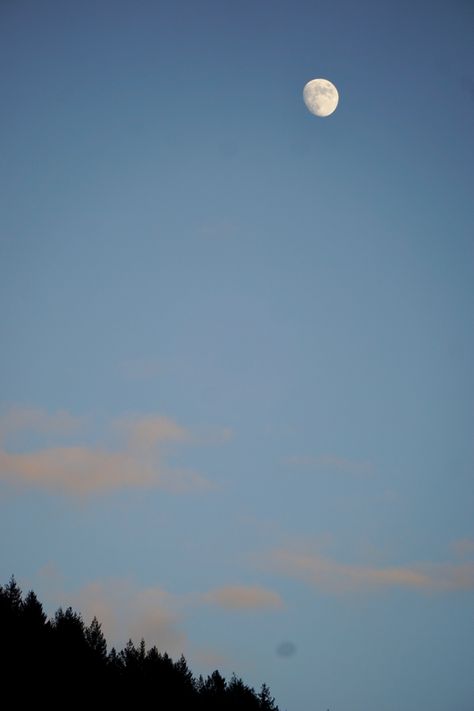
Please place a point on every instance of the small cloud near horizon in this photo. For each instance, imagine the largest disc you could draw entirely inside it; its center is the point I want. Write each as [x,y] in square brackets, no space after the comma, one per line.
[244,597]
[124,610]
[127,611]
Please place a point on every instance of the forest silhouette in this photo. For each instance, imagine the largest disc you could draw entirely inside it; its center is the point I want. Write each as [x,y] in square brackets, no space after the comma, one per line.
[63,660]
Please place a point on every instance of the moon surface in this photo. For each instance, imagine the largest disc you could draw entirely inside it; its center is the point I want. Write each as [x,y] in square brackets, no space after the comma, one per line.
[321,97]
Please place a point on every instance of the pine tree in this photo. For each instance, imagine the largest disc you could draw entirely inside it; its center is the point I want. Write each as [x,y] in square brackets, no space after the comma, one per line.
[267,702]
[69,626]
[13,595]
[114,661]
[70,652]
[183,672]
[32,612]
[128,656]
[241,696]
[96,641]
[10,626]
[215,685]
[141,652]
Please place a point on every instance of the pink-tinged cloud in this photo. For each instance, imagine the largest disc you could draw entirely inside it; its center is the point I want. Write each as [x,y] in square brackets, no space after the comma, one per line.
[83,471]
[244,597]
[155,430]
[211,659]
[126,611]
[139,459]
[32,419]
[332,576]
[152,430]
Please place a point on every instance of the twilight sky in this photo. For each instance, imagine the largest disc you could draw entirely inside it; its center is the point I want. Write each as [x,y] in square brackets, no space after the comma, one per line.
[237,402]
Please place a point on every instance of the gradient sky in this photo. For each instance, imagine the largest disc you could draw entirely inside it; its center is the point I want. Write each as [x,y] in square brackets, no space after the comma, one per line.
[236,399]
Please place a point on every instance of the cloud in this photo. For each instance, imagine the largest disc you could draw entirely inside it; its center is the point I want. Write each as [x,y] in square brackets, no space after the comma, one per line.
[139,460]
[210,659]
[151,430]
[124,610]
[20,419]
[128,612]
[331,463]
[83,471]
[242,597]
[332,576]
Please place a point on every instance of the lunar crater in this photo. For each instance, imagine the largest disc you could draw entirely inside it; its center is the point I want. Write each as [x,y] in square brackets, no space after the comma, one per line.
[321,97]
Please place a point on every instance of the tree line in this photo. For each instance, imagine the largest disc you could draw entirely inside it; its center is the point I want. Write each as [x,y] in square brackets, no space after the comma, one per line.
[63,660]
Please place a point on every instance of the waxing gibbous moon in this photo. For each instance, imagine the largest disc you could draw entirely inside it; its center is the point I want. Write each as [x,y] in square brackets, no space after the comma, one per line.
[321,97]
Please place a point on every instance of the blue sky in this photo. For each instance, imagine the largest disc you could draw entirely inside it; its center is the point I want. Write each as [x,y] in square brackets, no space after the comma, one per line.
[236,384]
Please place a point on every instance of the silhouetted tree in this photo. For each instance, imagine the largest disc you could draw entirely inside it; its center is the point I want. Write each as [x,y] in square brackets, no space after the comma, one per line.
[69,655]
[129,657]
[114,661]
[11,633]
[213,691]
[34,617]
[241,696]
[13,595]
[267,702]
[96,641]
[184,674]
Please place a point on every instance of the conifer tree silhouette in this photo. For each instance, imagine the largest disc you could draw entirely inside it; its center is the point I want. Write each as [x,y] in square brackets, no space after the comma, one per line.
[34,617]
[96,641]
[267,702]
[13,595]
[73,658]
[241,696]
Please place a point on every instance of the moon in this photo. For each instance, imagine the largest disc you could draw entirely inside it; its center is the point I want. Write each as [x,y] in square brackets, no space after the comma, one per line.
[321,97]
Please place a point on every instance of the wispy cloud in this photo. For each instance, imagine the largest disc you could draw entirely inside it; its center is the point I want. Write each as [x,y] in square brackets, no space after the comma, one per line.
[128,611]
[151,430]
[244,597]
[148,431]
[32,419]
[140,459]
[82,471]
[211,659]
[124,609]
[332,576]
